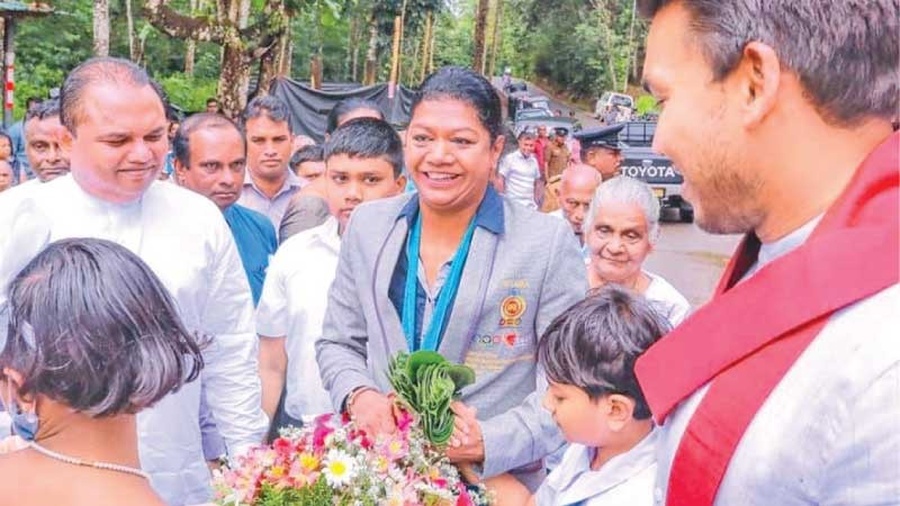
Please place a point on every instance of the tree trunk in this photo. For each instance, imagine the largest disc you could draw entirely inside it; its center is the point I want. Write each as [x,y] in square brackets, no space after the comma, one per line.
[315,72]
[129,19]
[190,51]
[101,27]
[235,69]
[481,15]
[395,55]
[495,40]
[371,68]
[427,40]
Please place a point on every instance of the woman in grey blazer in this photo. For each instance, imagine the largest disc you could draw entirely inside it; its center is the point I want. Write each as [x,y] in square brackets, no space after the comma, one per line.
[487,276]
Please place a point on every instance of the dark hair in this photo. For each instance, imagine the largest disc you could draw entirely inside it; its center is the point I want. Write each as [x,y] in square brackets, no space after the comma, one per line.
[346,106]
[311,153]
[181,143]
[844,53]
[367,138]
[12,147]
[526,135]
[96,70]
[91,327]
[467,86]
[212,100]
[595,343]
[269,106]
[46,109]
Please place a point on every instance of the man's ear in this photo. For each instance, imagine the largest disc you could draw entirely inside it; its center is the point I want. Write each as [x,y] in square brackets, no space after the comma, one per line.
[757,78]
[65,141]
[180,170]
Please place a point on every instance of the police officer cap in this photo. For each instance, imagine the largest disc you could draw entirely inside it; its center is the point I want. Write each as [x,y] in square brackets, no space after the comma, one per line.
[603,137]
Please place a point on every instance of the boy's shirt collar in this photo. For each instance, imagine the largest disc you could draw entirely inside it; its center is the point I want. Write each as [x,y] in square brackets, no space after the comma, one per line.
[574,481]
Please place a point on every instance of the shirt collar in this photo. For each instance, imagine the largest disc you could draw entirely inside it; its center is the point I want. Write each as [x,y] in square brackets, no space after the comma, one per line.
[489,215]
[292,181]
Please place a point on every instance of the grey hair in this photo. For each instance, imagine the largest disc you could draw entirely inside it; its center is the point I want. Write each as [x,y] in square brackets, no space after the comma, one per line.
[627,190]
[90,326]
[104,69]
[844,52]
[269,106]
[595,344]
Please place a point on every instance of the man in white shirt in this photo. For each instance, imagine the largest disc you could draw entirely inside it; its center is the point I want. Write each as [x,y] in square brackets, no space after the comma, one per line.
[269,183]
[363,161]
[116,124]
[520,176]
[784,388]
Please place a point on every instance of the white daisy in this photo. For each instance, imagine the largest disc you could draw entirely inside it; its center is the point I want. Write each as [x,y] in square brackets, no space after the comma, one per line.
[340,468]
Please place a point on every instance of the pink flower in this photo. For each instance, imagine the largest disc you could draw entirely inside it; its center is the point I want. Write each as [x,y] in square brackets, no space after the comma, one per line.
[321,432]
[404,420]
[283,447]
[463,498]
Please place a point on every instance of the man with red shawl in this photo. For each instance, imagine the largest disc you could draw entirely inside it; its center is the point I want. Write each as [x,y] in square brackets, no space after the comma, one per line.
[785,388]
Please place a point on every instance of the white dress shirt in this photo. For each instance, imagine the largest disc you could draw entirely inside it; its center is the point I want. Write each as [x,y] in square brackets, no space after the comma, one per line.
[292,304]
[519,174]
[828,433]
[185,241]
[625,480]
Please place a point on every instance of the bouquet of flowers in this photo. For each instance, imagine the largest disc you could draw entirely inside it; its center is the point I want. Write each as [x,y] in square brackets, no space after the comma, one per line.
[331,462]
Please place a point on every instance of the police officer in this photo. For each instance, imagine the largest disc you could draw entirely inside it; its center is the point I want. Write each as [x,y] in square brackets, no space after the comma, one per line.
[601,149]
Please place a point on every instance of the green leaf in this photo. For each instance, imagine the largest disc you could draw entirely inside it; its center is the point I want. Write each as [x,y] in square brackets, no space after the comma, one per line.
[462,376]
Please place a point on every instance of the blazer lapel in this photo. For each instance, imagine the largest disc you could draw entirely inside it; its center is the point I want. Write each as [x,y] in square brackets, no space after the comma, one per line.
[468,306]
[385,262]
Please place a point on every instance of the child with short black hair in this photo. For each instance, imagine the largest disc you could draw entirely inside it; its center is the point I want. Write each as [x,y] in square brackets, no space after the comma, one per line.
[588,355]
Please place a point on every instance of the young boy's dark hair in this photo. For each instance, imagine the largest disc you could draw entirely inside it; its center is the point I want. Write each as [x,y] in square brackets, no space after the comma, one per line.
[311,153]
[367,138]
[595,343]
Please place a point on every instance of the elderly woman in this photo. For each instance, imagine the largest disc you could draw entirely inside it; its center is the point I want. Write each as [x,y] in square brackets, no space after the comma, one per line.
[623,226]
[93,339]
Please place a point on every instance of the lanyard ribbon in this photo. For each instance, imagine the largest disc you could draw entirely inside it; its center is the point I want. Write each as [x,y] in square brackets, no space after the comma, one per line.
[446,296]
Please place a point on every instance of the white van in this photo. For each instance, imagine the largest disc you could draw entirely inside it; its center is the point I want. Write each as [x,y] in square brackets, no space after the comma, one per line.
[612,99]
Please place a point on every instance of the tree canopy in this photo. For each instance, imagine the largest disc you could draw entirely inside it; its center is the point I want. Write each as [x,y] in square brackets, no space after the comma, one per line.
[582,47]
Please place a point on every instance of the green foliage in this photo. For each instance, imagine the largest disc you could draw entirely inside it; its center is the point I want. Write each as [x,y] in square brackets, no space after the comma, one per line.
[189,93]
[428,384]
[319,494]
[645,104]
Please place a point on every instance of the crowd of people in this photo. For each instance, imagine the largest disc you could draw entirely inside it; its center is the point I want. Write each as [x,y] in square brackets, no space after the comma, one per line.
[172,295]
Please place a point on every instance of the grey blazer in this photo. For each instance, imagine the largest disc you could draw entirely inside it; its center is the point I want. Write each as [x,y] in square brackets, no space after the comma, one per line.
[536,260]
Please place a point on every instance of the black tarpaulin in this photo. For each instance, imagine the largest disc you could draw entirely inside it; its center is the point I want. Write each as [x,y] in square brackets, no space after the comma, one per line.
[310,107]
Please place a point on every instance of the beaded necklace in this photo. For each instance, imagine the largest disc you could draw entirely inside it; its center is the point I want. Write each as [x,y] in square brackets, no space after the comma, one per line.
[86,463]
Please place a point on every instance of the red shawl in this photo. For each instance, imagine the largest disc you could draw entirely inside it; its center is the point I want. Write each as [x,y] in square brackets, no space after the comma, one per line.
[750,334]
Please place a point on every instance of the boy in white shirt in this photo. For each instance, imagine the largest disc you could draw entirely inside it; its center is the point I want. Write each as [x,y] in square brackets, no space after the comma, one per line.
[363,161]
[588,355]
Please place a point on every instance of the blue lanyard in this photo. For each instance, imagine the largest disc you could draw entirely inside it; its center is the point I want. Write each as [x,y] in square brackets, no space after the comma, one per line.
[431,337]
